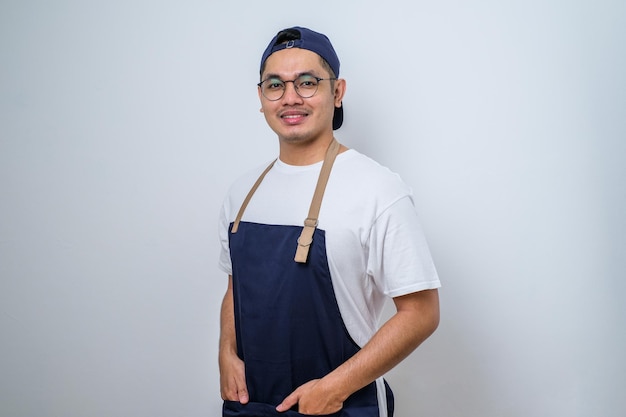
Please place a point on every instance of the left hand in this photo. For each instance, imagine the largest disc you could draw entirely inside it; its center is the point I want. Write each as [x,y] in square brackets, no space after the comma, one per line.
[312,399]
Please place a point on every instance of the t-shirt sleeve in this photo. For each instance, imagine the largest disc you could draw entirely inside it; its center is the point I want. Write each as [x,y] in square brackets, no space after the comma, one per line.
[224,258]
[399,259]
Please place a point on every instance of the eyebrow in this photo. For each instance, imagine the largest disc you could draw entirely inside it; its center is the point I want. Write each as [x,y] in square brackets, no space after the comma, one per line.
[300,74]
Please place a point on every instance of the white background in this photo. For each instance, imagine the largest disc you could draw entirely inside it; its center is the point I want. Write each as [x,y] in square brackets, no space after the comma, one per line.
[122,123]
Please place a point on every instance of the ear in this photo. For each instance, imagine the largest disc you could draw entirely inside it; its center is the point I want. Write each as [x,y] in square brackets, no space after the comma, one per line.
[260,98]
[340,91]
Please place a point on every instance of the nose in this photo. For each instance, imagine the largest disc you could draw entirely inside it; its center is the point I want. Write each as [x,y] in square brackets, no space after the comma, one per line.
[291,95]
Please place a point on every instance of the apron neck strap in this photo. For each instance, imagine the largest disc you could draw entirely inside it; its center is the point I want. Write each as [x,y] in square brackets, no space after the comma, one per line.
[310,223]
[248,197]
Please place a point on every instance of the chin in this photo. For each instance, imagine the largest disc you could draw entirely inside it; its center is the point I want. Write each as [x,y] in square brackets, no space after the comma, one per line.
[295,136]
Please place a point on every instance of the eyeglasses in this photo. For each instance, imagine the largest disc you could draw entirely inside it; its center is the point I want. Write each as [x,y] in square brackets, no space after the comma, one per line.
[305,85]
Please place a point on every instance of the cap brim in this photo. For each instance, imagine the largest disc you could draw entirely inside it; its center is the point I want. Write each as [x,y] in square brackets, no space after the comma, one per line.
[338,117]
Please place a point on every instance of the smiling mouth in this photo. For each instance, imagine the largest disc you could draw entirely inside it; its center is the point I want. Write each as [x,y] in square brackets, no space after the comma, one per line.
[293,118]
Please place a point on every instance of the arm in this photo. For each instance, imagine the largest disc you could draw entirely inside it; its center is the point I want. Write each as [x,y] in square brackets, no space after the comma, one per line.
[232,375]
[416,318]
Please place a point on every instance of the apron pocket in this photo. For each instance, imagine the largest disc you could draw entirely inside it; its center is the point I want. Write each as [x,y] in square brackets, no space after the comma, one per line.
[252,409]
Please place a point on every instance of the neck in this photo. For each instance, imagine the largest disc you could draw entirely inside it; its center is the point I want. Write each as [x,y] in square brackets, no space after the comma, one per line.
[304,153]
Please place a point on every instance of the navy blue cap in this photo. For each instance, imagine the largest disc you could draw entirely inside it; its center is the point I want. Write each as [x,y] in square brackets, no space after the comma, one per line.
[315,42]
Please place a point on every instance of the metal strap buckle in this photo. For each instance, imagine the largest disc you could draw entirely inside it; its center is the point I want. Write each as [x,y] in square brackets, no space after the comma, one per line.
[309,222]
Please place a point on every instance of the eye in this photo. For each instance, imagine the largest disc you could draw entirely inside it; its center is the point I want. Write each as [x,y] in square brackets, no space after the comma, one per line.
[307,82]
[274,84]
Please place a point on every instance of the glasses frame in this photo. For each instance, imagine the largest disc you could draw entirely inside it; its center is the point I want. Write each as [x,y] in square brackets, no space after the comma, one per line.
[295,87]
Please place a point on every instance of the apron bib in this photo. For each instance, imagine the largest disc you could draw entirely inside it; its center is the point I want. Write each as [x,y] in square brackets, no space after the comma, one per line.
[287,321]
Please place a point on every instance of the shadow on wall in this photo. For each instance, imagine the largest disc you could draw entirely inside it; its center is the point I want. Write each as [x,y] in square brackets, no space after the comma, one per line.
[433,380]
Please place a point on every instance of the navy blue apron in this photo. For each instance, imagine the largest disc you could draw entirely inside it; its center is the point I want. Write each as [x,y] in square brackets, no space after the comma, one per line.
[288,326]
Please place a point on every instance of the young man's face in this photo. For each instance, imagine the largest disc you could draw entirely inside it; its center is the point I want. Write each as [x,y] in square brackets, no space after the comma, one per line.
[293,118]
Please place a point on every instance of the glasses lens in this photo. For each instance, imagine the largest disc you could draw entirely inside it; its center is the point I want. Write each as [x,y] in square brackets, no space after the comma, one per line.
[306,85]
[273,88]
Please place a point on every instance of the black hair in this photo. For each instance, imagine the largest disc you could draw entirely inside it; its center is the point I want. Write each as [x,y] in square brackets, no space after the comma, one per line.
[287,35]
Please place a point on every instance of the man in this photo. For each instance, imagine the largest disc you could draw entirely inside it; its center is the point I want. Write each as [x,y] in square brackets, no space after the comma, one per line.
[299,320]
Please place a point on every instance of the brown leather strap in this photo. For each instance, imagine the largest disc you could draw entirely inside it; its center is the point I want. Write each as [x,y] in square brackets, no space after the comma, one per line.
[310,223]
[249,196]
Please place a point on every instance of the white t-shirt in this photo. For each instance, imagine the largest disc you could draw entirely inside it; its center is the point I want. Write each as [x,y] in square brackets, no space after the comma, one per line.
[374,242]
